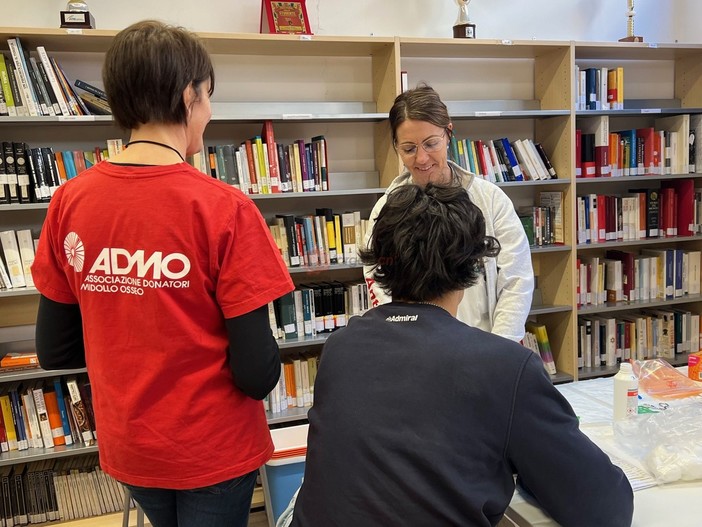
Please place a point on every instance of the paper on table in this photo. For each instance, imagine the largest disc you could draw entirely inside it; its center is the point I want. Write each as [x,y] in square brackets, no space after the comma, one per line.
[603,436]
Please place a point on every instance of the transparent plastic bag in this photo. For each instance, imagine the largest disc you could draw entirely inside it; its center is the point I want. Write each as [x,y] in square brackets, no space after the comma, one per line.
[668,444]
[660,380]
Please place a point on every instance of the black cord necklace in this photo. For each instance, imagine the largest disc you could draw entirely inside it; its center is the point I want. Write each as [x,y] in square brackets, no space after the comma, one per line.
[156,143]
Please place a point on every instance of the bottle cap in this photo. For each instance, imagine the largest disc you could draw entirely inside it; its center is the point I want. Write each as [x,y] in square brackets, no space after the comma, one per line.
[626,367]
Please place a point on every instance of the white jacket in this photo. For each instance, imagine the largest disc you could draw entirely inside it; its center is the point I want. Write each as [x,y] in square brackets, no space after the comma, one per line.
[501,302]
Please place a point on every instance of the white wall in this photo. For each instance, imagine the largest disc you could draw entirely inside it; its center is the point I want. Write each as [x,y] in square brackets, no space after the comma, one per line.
[598,20]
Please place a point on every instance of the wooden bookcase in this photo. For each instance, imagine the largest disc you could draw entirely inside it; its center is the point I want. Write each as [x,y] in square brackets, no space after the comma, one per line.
[343,87]
[660,81]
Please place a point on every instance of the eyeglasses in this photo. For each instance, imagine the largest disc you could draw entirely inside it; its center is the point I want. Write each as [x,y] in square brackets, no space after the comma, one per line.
[430,145]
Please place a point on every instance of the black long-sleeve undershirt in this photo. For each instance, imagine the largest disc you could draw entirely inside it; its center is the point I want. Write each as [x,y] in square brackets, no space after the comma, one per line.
[253,351]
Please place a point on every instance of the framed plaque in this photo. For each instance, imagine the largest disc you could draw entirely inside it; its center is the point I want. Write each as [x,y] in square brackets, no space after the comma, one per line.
[77,19]
[284,17]
[77,15]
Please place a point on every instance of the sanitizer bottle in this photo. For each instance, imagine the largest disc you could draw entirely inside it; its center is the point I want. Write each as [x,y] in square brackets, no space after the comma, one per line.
[626,392]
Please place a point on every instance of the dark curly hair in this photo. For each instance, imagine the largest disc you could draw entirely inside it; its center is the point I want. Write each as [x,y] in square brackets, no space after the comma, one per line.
[427,242]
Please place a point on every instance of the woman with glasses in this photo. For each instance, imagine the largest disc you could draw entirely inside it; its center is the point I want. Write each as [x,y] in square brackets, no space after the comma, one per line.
[421,132]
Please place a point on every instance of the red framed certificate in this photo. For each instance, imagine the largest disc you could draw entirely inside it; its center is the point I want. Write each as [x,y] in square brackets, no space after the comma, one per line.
[284,17]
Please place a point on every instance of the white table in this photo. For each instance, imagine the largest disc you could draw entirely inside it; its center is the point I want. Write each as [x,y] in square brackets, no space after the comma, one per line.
[671,505]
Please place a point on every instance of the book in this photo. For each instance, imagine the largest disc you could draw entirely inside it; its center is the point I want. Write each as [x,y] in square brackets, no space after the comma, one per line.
[684,208]
[273,165]
[19,360]
[32,418]
[61,401]
[91,89]
[20,104]
[330,238]
[53,81]
[42,92]
[544,345]
[23,181]
[55,420]
[18,415]
[40,191]
[80,411]
[43,416]
[96,105]
[72,100]
[9,422]
[678,129]
[4,181]
[5,86]
[10,248]
[26,251]
[554,201]
[321,143]
[26,89]
[49,91]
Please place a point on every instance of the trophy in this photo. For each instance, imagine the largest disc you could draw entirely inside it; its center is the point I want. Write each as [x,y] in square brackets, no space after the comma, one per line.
[463,27]
[77,16]
[630,37]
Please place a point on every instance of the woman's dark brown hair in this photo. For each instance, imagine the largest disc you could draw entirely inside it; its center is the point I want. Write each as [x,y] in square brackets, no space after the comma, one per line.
[148,67]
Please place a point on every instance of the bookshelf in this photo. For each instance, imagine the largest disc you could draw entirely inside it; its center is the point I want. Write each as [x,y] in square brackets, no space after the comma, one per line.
[660,81]
[343,87]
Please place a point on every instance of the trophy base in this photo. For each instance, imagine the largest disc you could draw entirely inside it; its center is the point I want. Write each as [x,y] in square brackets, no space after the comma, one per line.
[77,20]
[631,39]
[464,30]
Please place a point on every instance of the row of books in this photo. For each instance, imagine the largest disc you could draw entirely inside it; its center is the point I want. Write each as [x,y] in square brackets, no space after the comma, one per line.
[260,165]
[324,238]
[41,415]
[499,160]
[653,274]
[17,250]
[674,209]
[650,334]
[599,88]
[295,389]
[669,147]
[543,223]
[57,489]
[37,86]
[320,307]
[32,175]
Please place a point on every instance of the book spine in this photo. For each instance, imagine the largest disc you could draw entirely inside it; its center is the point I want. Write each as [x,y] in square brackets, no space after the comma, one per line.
[53,81]
[27,90]
[20,104]
[100,94]
[6,88]
[80,411]
[63,411]
[39,89]
[47,85]
[43,414]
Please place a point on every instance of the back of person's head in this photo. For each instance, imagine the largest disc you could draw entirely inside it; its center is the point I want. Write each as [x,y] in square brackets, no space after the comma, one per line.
[419,104]
[148,67]
[428,242]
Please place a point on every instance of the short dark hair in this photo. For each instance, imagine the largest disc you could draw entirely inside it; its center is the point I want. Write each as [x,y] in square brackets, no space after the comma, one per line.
[419,104]
[427,242]
[148,67]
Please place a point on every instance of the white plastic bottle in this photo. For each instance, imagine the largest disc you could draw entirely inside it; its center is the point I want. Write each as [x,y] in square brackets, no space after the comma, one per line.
[626,392]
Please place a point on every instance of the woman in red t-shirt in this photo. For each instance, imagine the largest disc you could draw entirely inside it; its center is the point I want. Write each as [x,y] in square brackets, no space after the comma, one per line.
[157,277]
